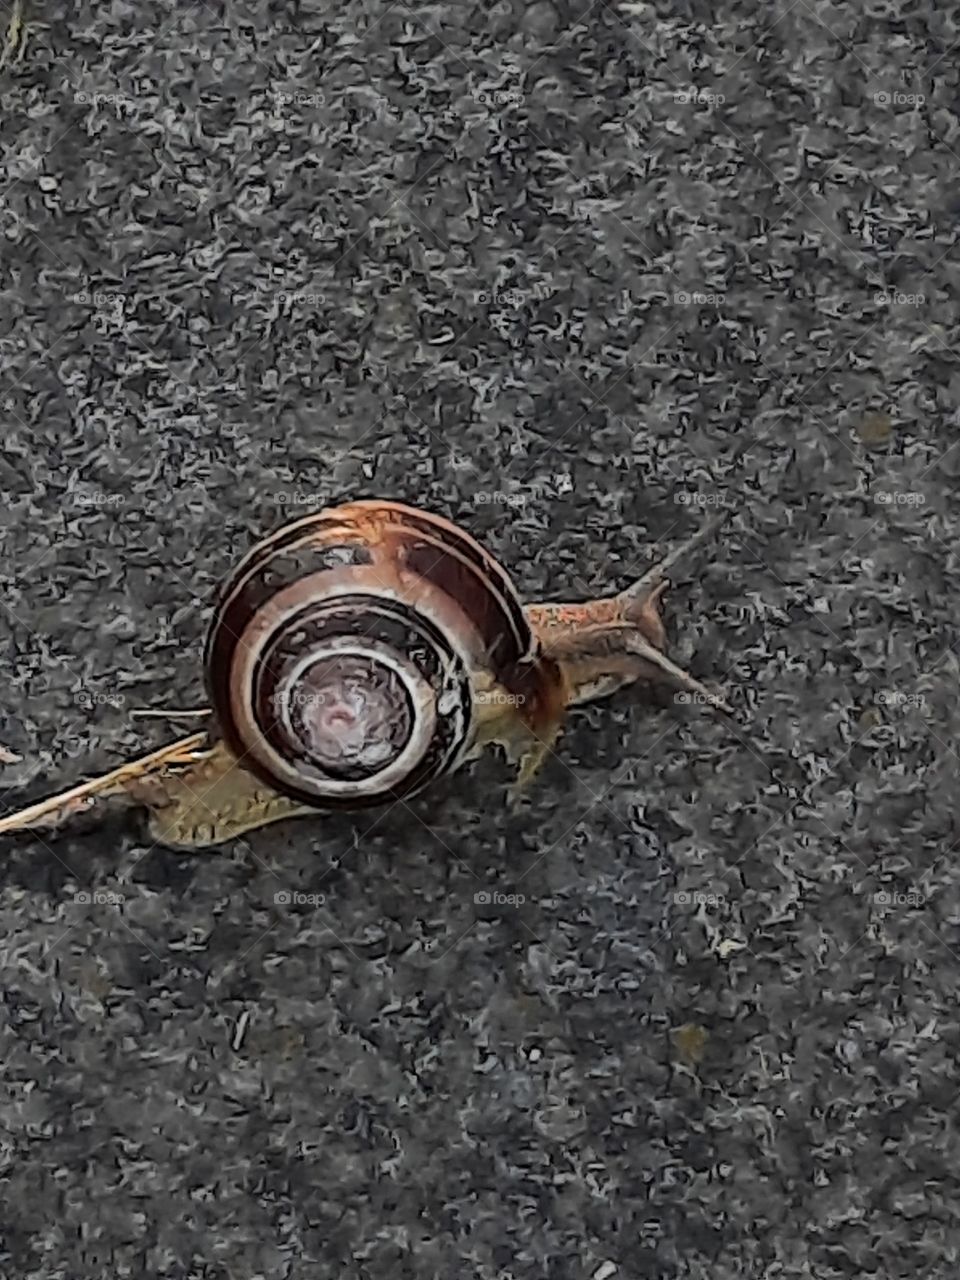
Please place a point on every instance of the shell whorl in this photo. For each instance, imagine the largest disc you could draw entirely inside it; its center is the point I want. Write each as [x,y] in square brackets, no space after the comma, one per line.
[341,655]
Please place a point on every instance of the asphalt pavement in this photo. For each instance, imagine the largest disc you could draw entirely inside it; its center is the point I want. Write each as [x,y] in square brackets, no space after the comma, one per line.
[578,276]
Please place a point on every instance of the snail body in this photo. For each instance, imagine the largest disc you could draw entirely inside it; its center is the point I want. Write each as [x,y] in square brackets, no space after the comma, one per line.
[361,653]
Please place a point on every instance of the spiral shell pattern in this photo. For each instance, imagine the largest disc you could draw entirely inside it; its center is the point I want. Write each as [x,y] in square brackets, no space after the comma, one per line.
[341,655]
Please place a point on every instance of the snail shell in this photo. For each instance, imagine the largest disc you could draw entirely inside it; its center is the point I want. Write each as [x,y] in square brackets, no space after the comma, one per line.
[349,652]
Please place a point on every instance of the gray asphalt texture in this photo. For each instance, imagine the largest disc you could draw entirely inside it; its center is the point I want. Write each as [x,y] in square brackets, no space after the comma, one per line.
[544,268]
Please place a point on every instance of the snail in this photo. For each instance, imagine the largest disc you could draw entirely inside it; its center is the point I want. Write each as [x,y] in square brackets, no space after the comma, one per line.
[359,654]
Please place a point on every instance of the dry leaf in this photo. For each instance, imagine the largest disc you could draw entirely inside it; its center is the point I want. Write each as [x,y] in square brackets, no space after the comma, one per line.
[690,1041]
[875,429]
